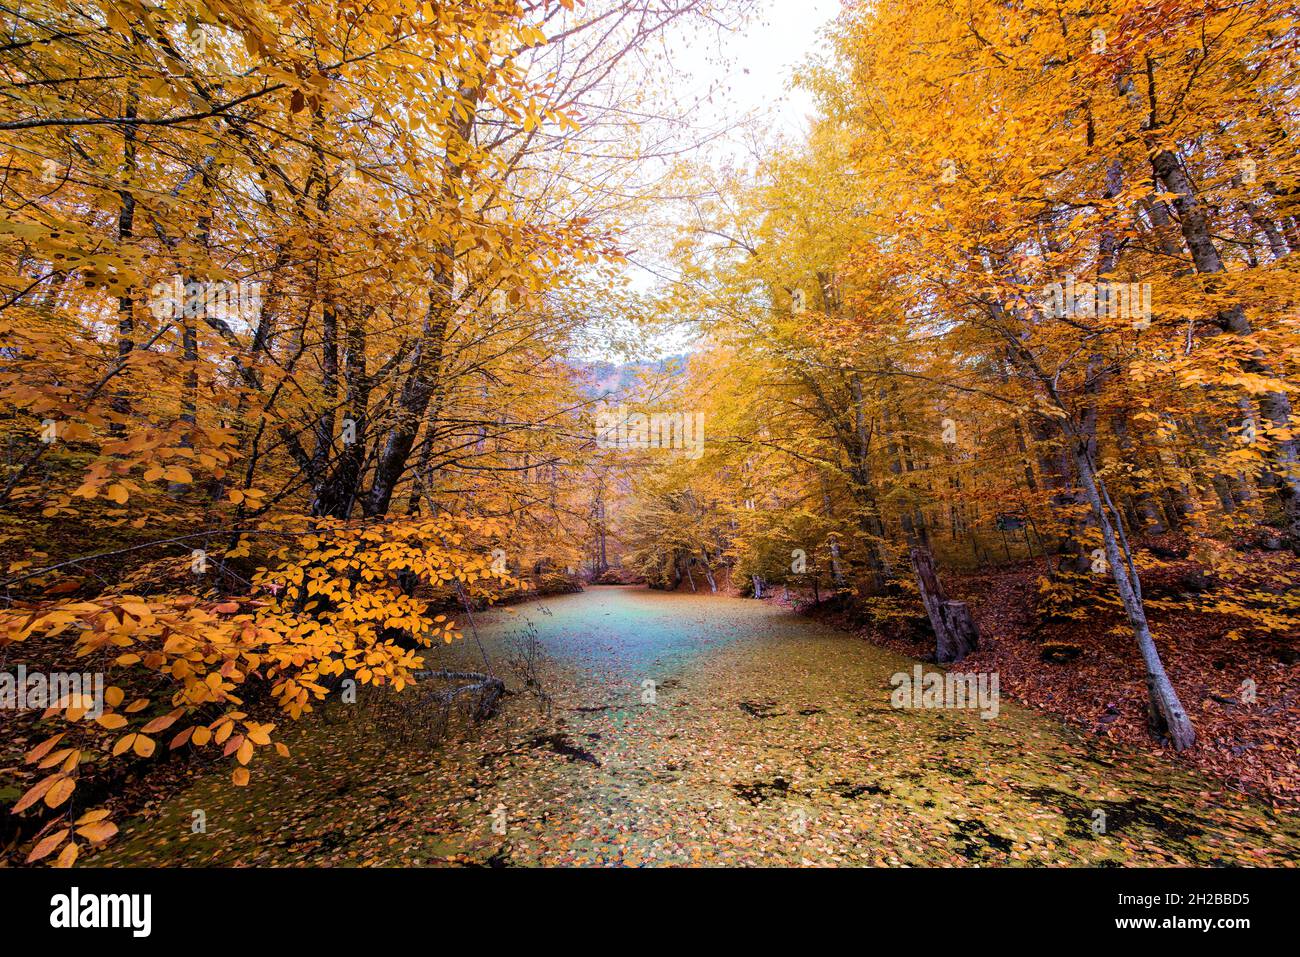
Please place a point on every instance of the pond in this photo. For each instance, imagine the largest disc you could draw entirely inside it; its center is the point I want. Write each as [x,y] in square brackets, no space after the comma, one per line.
[698,729]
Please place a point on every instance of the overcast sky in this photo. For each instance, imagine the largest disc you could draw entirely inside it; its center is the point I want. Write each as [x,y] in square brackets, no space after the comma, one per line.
[754,68]
[732,76]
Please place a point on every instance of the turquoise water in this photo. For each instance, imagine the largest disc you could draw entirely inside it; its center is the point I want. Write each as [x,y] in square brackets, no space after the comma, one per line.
[700,730]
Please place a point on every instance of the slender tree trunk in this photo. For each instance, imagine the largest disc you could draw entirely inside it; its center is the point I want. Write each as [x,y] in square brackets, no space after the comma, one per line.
[837,568]
[1165,711]
[125,232]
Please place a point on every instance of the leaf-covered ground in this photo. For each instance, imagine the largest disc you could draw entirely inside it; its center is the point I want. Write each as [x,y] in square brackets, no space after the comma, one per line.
[771,741]
[1252,746]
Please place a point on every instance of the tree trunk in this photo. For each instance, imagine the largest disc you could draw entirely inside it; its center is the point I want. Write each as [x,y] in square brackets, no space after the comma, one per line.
[126,301]
[954,629]
[1275,407]
[837,569]
[1164,711]
[422,381]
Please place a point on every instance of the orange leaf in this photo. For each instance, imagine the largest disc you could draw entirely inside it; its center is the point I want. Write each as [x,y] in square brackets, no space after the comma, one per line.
[165,721]
[258,735]
[48,845]
[55,757]
[44,748]
[67,856]
[36,792]
[60,791]
[97,833]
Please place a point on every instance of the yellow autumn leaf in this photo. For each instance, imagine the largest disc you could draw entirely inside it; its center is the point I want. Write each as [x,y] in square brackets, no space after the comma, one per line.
[60,791]
[258,734]
[99,832]
[68,856]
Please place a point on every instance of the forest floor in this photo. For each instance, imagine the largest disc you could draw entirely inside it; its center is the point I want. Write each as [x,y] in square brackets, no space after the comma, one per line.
[1253,746]
[770,740]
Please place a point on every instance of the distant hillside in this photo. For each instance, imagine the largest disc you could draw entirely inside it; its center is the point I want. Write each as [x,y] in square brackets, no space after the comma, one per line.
[602,378]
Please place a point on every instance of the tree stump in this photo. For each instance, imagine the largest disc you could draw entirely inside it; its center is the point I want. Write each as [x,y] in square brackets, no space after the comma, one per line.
[954,629]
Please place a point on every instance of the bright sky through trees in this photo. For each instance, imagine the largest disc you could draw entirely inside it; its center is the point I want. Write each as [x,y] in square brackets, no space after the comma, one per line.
[325,326]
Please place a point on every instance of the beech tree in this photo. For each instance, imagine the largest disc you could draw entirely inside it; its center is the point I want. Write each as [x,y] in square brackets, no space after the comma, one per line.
[1040,256]
[287,299]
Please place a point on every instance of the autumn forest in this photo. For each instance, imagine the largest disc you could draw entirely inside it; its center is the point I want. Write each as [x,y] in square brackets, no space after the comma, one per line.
[460,433]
